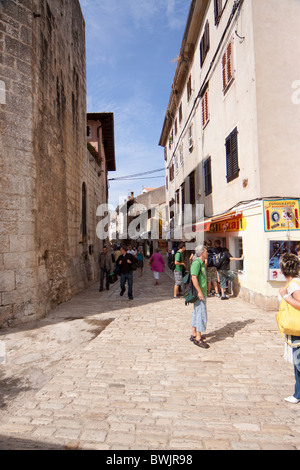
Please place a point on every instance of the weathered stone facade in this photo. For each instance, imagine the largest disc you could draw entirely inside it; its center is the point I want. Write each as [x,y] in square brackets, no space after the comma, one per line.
[49,183]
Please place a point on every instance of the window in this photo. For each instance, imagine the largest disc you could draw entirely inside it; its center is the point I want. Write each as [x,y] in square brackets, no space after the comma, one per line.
[171,172]
[180,113]
[232,163]
[204,44]
[175,126]
[191,141]
[189,88]
[219,7]
[88,132]
[227,67]
[181,154]
[192,188]
[205,111]
[171,140]
[207,177]
[84,212]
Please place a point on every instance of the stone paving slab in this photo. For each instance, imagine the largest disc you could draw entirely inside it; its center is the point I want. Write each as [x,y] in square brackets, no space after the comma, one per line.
[103,372]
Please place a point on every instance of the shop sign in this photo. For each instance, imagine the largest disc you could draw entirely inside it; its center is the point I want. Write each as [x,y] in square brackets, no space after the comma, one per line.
[229,225]
[281,215]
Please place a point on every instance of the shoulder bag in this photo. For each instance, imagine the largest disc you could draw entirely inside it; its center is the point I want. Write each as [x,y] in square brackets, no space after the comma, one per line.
[288,320]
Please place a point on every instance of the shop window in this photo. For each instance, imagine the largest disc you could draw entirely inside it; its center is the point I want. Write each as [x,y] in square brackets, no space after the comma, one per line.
[238,251]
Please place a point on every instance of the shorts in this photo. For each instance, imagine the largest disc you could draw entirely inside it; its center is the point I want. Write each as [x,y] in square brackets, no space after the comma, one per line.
[178,278]
[226,275]
[199,319]
[212,274]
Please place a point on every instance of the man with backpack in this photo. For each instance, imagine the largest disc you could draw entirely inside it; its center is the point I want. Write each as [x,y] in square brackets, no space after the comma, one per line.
[211,270]
[199,319]
[178,271]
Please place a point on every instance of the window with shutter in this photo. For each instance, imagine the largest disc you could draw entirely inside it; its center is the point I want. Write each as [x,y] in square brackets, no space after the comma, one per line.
[207,177]
[232,162]
[205,110]
[189,88]
[219,8]
[204,44]
[227,67]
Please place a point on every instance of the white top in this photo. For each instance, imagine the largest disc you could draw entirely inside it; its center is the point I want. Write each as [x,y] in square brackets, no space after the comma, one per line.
[293,287]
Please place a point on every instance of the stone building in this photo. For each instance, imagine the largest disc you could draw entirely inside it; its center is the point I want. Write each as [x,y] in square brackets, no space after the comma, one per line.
[50,185]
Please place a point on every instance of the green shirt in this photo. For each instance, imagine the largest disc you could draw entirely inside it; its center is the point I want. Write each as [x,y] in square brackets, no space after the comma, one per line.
[198,269]
[178,257]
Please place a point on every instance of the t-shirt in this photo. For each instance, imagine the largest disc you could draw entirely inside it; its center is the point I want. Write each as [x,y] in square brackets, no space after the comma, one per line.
[293,287]
[198,269]
[178,257]
[225,266]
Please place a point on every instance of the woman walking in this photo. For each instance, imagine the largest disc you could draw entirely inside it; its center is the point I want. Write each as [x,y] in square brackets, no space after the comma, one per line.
[157,265]
[290,267]
[140,258]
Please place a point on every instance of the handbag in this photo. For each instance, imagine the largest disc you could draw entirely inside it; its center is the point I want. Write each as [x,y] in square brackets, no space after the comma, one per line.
[112,278]
[288,320]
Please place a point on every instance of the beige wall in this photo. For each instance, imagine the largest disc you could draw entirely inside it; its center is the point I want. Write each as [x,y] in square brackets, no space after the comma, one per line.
[277,50]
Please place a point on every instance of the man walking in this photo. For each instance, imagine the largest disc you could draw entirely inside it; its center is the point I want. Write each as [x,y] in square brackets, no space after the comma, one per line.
[199,319]
[179,265]
[125,261]
[106,266]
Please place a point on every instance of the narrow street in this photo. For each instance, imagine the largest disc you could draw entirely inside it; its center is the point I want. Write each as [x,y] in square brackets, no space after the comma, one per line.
[102,372]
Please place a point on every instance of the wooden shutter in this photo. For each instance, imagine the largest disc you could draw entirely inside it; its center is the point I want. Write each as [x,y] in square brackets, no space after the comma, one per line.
[232,163]
[207,177]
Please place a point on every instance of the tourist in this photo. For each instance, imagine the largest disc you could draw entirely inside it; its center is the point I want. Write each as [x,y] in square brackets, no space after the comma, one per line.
[179,266]
[125,262]
[106,266]
[290,268]
[199,318]
[157,265]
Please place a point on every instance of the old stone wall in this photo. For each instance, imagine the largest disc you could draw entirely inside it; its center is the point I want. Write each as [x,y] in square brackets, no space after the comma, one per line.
[44,256]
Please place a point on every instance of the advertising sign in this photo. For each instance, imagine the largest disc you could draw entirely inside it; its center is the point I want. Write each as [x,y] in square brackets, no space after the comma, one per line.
[277,248]
[281,215]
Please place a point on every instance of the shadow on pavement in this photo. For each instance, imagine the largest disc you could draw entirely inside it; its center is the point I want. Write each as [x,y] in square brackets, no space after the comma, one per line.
[228,331]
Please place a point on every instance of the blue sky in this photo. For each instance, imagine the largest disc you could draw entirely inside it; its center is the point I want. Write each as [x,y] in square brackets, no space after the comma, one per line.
[131,46]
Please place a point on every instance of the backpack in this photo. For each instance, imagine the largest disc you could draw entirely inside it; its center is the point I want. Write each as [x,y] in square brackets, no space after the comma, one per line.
[171,262]
[189,291]
[215,258]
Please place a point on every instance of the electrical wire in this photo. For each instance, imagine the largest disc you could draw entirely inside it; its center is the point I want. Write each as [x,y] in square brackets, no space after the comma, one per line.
[127,177]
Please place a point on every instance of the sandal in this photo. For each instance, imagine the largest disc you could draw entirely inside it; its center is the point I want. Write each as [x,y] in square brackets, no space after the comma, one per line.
[193,338]
[201,344]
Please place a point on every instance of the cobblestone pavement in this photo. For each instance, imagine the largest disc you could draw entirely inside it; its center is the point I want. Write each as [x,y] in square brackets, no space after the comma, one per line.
[104,372]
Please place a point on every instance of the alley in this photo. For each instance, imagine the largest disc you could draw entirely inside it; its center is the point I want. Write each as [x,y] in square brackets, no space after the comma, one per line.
[102,372]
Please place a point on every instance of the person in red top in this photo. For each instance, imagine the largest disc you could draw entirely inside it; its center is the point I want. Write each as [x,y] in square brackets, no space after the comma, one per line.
[157,265]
